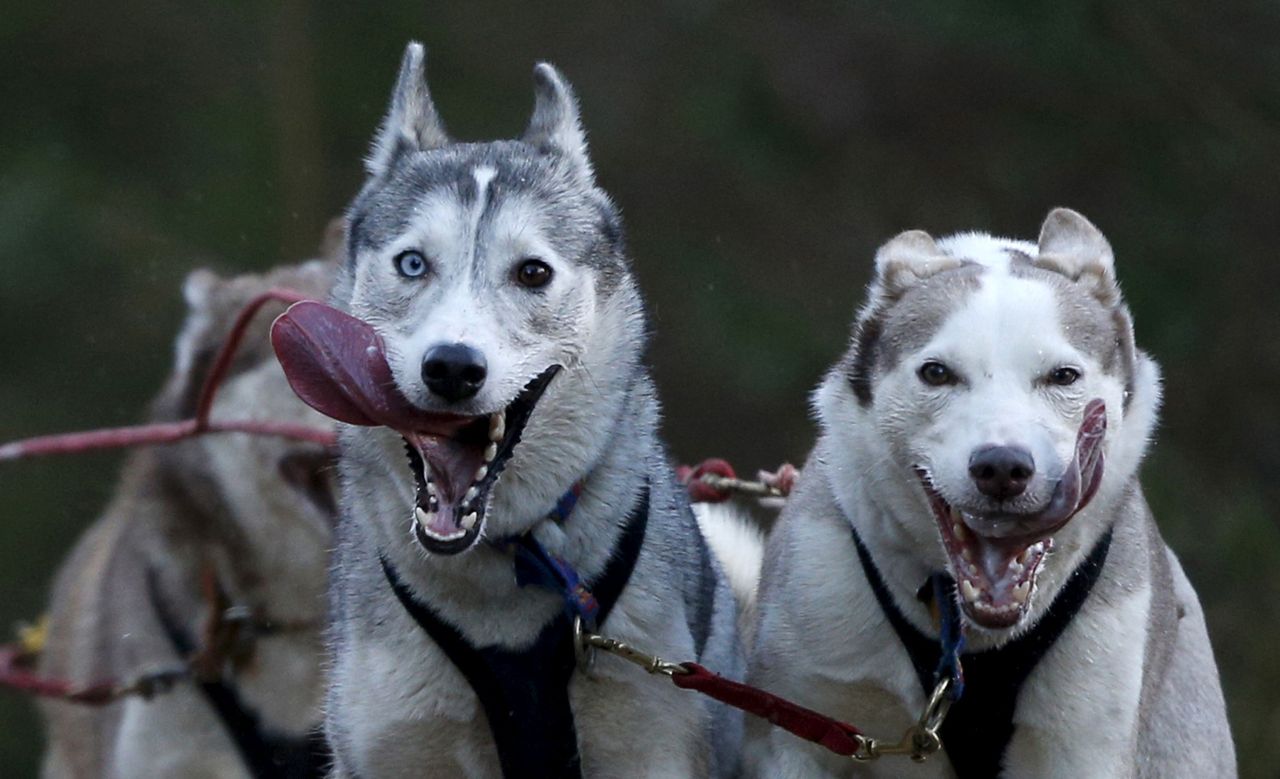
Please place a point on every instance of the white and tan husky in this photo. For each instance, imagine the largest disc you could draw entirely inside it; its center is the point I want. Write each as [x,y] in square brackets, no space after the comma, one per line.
[988,422]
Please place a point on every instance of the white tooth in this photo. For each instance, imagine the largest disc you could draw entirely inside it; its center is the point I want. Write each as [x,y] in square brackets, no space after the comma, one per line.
[481,472]
[969,591]
[1026,554]
[490,452]
[431,488]
[1016,567]
[469,521]
[472,492]
[422,515]
[957,529]
[966,554]
[497,426]
[1021,591]
[450,537]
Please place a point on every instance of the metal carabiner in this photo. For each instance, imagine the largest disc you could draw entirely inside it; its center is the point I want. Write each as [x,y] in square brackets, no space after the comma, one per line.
[921,739]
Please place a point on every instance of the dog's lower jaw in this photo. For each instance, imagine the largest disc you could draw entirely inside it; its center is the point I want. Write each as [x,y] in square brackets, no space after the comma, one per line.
[456,468]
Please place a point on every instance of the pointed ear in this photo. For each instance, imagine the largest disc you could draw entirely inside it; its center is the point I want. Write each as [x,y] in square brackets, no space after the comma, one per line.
[555,126]
[412,123]
[907,259]
[196,345]
[1072,246]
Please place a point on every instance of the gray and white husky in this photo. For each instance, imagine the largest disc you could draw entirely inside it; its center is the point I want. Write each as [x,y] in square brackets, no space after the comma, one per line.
[496,277]
[988,421]
[256,513]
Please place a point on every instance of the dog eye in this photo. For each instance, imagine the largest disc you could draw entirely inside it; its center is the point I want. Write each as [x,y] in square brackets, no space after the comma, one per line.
[533,273]
[935,374]
[412,264]
[1063,376]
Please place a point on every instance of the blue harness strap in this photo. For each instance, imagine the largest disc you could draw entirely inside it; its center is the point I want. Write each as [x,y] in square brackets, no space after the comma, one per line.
[950,635]
[536,567]
[525,693]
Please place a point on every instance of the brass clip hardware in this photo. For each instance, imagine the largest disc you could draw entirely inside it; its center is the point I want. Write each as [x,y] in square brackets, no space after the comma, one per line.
[586,642]
[921,739]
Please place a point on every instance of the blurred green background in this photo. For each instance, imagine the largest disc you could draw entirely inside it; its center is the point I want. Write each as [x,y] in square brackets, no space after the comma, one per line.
[760,151]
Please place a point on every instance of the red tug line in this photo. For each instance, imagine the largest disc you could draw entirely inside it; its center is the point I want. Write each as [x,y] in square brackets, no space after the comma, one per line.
[170,432]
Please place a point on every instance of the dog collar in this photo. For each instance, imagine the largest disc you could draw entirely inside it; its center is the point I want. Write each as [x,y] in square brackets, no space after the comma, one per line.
[978,728]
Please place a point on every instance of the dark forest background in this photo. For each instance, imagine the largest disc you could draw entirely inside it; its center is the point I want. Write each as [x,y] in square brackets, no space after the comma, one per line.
[760,151]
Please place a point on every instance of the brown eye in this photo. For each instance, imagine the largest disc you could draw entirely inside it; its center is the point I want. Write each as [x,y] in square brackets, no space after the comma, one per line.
[533,273]
[1063,376]
[935,374]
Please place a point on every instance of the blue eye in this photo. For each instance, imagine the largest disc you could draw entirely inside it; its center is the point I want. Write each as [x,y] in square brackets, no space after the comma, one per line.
[412,264]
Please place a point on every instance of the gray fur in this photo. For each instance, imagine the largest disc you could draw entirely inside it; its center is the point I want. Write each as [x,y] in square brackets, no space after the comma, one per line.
[215,501]
[397,706]
[884,334]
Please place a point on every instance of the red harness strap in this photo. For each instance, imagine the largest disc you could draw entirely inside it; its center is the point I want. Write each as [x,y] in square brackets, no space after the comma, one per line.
[169,432]
[15,674]
[837,736]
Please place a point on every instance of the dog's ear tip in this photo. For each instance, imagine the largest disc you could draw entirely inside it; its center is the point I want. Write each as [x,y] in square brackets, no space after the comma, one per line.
[198,287]
[552,88]
[1066,226]
[915,239]
[907,247]
[544,72]
[1065,214]
[555,123]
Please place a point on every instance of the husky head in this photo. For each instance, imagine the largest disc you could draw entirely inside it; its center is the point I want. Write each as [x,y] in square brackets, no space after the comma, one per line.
[992,405]
[269,502]
[495,276]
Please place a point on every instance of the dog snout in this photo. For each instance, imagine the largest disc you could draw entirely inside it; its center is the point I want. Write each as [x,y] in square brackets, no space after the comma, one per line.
[454,372]
[1001,472]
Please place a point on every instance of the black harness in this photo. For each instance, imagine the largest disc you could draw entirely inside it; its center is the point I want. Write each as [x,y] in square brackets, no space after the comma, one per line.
[525,693]
[267,754]
[979,725]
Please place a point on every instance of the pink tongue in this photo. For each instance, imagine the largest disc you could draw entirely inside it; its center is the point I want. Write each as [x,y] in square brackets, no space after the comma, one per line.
[337,365]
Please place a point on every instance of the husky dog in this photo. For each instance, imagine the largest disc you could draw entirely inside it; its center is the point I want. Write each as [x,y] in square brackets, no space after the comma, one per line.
[253,514]
[496,277]
[988,422]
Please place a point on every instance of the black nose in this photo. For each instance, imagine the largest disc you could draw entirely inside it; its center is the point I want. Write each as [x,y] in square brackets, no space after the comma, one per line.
[1001,472]
[454,371]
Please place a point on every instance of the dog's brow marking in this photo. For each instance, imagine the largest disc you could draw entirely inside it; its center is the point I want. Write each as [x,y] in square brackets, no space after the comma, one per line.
[483,176]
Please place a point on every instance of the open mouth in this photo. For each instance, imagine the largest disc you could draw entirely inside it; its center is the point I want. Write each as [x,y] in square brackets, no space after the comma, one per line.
[456,460]
[996,557]
[337,364]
